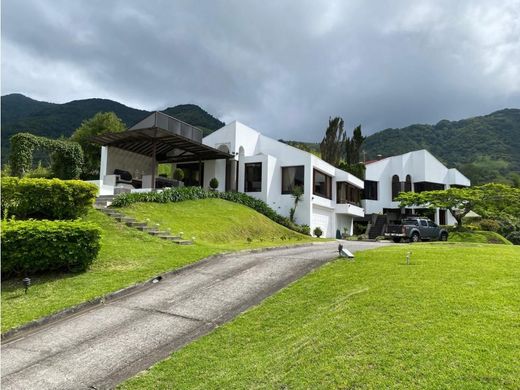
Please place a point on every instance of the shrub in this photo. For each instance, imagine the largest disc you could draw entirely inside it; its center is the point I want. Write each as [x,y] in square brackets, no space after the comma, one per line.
[193,193]
[213,183]
[178,174]
[46,198]
[66,156]
[318,232]
[514,237]
[38,246]
[489,225]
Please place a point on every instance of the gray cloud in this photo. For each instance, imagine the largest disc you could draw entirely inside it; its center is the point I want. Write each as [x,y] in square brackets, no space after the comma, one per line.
[280,67]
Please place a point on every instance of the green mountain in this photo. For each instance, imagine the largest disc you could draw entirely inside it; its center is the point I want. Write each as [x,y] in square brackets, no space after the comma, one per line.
[23,114]
[485,148]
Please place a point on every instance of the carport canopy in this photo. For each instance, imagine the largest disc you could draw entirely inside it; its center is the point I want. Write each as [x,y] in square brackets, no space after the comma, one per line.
[164,139]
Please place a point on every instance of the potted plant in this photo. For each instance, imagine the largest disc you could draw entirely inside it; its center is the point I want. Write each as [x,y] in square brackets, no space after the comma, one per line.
[213,183]
[318,232]
[178,176]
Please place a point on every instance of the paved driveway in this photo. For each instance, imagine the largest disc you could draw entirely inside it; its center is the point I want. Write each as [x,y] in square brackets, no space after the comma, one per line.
[110,343]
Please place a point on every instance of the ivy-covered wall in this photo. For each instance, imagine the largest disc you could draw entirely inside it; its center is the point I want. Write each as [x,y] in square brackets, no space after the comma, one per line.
[66,156]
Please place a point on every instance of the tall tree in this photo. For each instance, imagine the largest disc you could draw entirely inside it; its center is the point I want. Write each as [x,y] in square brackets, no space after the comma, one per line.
[102,122]
[332,145]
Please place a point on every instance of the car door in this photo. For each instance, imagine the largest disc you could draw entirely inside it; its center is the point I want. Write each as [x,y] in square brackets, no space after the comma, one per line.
[424,229]
[433,230]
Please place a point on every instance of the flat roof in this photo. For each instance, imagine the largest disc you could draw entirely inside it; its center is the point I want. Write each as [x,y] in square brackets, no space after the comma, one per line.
[171,139]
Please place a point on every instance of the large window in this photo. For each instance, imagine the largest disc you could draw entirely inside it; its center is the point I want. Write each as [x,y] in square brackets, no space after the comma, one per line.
[322,184]
[427,186]
[347,193]
[253,177]
[292,177]
[370,191]
[408,184]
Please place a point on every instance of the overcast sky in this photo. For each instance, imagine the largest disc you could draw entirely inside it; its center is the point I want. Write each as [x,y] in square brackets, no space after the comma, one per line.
[281,67]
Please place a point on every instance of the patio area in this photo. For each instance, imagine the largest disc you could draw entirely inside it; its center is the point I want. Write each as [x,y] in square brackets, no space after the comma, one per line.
[130,159]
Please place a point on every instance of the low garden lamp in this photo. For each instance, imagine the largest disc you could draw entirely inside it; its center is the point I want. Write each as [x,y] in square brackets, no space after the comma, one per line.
[26,283]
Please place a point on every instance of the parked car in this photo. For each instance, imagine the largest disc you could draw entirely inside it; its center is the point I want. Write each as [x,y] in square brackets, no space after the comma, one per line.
[415,230]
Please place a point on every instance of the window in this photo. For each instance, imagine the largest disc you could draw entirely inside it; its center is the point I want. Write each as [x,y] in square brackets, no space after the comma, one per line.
[347,193]
[432,224]
[396,186]
[253,177]
[424,223]
[427,186]
[370,191]
[292,177]
[322,184]
[408,184]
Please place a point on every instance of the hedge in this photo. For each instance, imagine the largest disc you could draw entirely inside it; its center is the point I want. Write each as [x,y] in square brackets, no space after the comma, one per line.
[194,193]
[46,198]
[32,246]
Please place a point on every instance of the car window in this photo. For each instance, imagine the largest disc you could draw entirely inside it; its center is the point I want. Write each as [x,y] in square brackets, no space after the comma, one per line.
[424,223]
[432,224]
[410,222]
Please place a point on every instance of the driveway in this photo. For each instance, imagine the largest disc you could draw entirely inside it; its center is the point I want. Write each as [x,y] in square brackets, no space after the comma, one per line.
[110,343]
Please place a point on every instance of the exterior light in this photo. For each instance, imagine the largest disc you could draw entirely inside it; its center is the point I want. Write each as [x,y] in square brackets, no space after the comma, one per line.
[26,283]
[408,258]
[344,252]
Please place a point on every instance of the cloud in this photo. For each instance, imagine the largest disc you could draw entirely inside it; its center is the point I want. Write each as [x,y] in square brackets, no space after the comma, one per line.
[280,67]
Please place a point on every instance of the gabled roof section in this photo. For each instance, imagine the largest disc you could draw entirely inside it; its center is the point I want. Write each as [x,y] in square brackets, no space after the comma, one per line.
[171,139]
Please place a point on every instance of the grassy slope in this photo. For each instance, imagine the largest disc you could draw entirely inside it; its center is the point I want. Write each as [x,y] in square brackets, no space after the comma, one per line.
[448,320]
[479,236]
[128,256]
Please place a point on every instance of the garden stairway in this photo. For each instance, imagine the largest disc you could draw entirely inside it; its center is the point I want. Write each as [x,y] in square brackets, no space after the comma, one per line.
[142,226]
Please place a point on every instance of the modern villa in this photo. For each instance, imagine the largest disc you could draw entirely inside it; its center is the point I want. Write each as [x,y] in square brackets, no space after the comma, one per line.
[241,159]
[416,171]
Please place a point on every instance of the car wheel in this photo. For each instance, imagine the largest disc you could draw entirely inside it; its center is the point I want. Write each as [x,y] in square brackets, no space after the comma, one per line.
[415,237]
[444,237]
[397,239]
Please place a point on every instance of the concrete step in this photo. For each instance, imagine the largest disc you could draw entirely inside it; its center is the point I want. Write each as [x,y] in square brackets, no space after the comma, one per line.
[183,242]
[157,232]
[135,224]
[124,219]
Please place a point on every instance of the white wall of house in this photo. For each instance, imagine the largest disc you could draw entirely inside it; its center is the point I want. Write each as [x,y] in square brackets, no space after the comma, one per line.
[249,146]
[421,165]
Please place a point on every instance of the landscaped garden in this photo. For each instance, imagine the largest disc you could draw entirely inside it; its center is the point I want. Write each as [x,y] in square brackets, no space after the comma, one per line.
[449,319]
[127,256]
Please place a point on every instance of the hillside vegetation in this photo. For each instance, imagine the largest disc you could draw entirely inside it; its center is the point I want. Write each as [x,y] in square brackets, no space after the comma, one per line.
[485,148]
[128,256]
[447,320]
[23,114]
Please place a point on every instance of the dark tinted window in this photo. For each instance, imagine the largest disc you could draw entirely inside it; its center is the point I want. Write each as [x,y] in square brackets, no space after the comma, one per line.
[322,185]
[253,177]
[410,222]
[292,177]
[432,224]
[424,223]
[370,191]
[396,186]
[427,186]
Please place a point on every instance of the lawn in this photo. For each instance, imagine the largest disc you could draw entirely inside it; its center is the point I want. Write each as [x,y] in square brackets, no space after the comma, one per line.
[450,319]
[128,256]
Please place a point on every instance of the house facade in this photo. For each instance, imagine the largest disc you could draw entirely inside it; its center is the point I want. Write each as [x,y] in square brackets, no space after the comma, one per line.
[269,170]
[241,159]
[414,171]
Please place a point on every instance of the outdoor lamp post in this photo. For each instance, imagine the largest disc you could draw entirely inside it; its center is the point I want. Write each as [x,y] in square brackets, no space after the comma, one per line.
[26,283]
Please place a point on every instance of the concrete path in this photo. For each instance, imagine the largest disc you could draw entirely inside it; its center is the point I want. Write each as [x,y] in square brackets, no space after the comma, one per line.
[103,346]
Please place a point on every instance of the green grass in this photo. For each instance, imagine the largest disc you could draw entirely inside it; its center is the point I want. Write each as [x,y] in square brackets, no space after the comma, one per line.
[128,256]
[449,320]
[478,236]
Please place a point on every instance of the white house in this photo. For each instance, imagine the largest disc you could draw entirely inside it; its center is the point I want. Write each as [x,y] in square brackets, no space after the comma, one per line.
[414,171]
[241,159]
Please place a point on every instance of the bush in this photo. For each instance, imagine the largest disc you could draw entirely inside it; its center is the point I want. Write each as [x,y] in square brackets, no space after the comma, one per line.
[178,174]
[213,183]
[46,198]
[193,193]
[318,232]
[514,237]
[489,225]
[37,246]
